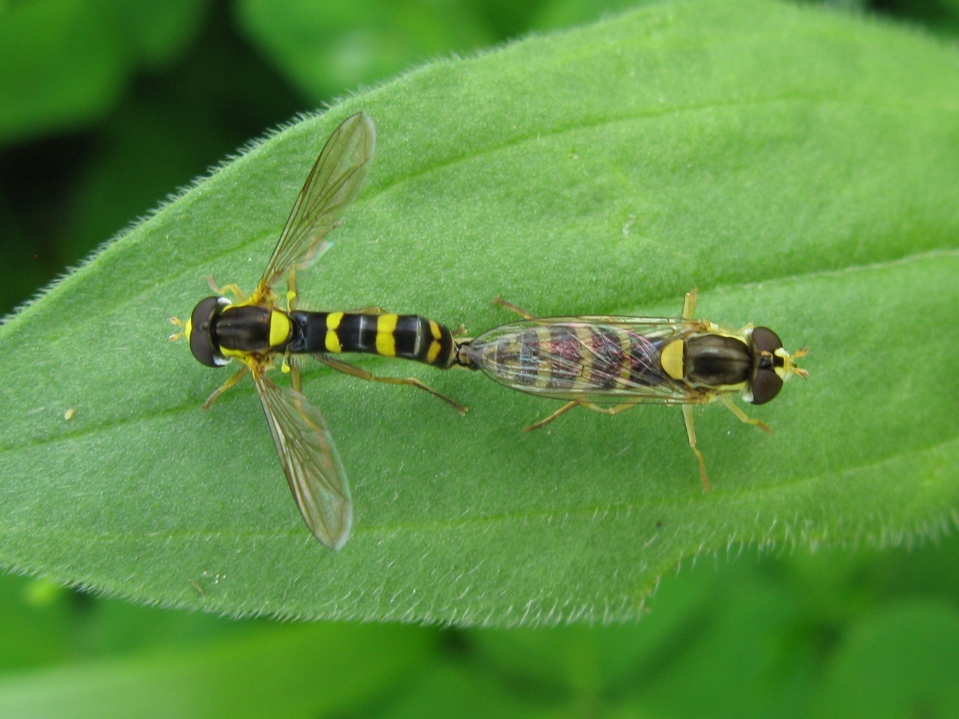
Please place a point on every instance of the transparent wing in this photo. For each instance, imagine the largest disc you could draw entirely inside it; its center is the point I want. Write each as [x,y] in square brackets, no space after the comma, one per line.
[597,359]
[310,461]
[333,183]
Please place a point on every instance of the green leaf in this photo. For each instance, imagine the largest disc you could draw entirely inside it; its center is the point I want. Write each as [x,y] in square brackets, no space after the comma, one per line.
[900,660]
[297,671]
[447,689]
[45,82]
[801,168]
[64,62]
[325,48]
[160,32]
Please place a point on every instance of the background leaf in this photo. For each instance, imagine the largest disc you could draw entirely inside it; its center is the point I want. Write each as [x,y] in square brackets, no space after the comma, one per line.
[329,48]
[47,84]
[903,656]
[278,671]
[799,168]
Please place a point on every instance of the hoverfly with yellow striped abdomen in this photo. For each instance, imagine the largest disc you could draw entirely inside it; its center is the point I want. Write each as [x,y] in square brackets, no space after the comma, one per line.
[255,330]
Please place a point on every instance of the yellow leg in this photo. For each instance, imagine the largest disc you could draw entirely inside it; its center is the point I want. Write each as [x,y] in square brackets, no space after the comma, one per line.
[543,422]
[240,374]
[615,409]
[231,288]
[510,306]
[296,379]
[691,436]
[742,416]
[296,382]
[291,291]
[689,304]
[370,377]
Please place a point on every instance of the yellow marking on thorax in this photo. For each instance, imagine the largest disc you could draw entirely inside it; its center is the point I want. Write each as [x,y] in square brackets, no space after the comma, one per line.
[435,346]
[385,337]
[672,358]
[280,328]
[332,338]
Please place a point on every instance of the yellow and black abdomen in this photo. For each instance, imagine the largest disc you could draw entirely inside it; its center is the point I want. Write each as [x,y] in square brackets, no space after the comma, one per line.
[405,336]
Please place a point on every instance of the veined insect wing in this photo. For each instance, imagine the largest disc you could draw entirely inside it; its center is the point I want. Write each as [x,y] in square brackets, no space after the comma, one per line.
[310,461]
[333,183]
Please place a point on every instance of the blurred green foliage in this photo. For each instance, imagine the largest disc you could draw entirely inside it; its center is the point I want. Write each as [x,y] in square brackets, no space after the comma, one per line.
[106,106]
[832,634]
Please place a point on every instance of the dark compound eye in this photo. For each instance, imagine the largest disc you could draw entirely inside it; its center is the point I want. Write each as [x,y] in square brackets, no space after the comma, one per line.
[765,340]
[201,336]
[766,385]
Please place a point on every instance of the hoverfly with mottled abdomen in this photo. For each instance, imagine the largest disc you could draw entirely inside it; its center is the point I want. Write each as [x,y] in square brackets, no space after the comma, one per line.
[609,364]
[255,330]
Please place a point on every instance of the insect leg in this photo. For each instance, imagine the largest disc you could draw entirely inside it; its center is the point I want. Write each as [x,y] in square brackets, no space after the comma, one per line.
[615,409]
[296,382]
[691,436]
[370,377]
[226,385]
[296,378]
[232,288]
[291,292]
[742,416]
[510,306]
[689,304]
[543,422]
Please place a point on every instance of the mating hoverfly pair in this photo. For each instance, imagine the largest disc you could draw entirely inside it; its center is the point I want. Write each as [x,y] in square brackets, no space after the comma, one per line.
[603,363]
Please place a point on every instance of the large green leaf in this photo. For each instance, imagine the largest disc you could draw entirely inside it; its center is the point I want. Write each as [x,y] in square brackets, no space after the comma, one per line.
[801,168]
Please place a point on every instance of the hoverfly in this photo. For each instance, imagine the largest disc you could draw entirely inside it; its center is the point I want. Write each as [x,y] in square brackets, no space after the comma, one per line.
[255,331]
[609,364]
